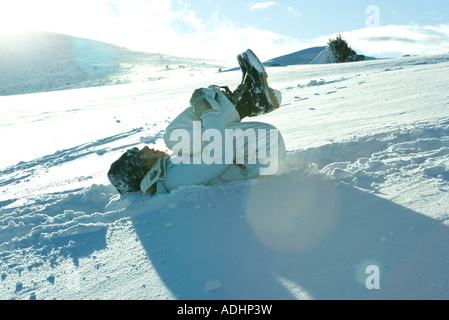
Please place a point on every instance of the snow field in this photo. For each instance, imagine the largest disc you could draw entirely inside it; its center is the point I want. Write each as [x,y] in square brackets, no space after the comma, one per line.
[365,183]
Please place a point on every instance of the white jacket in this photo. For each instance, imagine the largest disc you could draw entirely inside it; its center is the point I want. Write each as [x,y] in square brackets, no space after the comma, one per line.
[171,173]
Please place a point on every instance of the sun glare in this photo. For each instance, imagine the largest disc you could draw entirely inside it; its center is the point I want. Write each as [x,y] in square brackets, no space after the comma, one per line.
[9,23]
[17,15]
[20,15]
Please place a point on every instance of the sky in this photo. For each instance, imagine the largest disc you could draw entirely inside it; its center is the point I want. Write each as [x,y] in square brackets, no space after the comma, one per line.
[217,29]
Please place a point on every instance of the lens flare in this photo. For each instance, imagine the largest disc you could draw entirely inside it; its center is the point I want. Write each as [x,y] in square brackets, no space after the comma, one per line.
[295,217]
[94,57]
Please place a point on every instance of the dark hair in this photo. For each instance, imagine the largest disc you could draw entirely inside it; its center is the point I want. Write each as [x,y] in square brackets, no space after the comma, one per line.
[127,172]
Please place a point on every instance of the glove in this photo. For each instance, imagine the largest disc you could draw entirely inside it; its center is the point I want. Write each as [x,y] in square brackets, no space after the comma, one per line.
[199,101]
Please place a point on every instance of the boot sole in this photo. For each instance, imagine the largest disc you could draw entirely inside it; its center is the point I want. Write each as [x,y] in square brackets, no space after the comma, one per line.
[254,61]
[241,62]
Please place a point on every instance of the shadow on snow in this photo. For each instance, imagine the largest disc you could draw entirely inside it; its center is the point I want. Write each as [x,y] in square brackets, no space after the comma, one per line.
[292,236]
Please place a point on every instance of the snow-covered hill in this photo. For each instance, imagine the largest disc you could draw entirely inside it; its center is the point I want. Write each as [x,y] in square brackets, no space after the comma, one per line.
[314,55]
[37,61]
[300,57]
[365,183]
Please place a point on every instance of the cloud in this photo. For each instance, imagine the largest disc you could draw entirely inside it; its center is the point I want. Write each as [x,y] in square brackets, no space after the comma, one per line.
[268,4]
[173,27]
[179,31]
[415,40]
[262,5]
[293,11]
[395,40]
[168,27]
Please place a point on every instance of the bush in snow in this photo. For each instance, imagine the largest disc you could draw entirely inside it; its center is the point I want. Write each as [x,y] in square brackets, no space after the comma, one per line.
[341,50]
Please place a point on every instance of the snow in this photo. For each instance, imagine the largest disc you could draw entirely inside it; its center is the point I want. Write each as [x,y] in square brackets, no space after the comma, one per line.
[365,183]
[323,57]
[300,57]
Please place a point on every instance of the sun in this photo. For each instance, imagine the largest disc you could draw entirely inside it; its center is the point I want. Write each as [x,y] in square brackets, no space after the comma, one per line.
[14,17]
[19,15]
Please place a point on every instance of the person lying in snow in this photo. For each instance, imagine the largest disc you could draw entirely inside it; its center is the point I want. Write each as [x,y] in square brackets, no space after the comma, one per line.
[210,144]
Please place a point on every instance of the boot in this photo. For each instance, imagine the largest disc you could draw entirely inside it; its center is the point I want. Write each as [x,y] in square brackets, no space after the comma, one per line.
[254,97]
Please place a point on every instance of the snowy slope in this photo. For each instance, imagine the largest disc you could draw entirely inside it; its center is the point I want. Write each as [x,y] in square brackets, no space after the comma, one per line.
[37,61]
[304,56]
[324,57]
[365,183]
[314,55]
[300,57]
